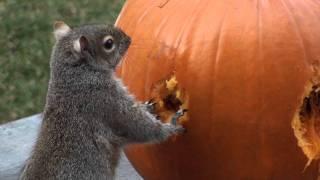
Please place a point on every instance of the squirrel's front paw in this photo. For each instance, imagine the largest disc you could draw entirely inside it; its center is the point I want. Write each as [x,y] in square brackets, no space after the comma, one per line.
[171,129]
[150,106]
[178,114]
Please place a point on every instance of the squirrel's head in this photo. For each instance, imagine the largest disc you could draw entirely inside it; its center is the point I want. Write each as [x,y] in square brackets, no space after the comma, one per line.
[99,46]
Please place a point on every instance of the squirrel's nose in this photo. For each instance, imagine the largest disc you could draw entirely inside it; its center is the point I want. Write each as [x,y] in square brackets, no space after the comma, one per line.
[128,40]
[124,45]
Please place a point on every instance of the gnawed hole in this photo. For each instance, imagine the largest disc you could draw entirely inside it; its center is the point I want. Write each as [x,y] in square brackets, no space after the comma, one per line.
[306,124]
[170,97]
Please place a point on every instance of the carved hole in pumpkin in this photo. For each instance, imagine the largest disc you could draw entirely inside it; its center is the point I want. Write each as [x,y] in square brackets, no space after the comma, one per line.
[171,102]
[170,97]
[306,124]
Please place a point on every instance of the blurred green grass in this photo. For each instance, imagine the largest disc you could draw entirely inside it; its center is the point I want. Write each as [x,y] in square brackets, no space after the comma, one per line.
[25,45]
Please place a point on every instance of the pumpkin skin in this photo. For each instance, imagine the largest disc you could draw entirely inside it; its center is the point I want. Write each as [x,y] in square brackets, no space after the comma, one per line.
[245,66]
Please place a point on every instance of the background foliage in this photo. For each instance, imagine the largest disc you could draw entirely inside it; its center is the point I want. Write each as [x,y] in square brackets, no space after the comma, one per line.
[25,45]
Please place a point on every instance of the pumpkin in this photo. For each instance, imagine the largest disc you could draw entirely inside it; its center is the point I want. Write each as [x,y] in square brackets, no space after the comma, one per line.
[247,71]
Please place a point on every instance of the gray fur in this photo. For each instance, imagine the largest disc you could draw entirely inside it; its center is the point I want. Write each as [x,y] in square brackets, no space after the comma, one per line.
[89,115]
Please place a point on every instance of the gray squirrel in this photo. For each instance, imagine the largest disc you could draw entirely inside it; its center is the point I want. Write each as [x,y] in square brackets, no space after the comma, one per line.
[89,115]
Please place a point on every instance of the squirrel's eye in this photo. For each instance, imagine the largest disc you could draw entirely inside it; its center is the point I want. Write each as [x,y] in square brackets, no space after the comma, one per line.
[108,43]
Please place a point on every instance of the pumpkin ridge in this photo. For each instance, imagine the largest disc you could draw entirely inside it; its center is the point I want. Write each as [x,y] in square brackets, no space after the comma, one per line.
[297,29]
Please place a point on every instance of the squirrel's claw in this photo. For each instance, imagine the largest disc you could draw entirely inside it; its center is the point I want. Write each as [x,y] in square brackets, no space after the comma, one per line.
[178,114]
[150,105]
[151,101]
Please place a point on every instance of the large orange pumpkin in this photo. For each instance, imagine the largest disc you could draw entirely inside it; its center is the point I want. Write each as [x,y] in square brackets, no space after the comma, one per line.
[245,70]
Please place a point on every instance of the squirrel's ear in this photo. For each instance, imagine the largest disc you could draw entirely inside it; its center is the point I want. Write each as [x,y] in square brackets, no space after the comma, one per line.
[60,29]
[81,45]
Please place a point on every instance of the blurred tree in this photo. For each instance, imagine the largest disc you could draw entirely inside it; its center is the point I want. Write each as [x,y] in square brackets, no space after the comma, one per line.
[25,46]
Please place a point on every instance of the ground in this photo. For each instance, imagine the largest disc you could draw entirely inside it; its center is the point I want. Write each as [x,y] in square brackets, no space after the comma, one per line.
[26,40]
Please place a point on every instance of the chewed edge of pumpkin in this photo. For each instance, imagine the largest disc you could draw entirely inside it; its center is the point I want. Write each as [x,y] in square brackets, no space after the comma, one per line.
[306,123]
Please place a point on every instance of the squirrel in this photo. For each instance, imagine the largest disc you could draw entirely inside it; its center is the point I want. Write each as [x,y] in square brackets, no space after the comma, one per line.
[89,116]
